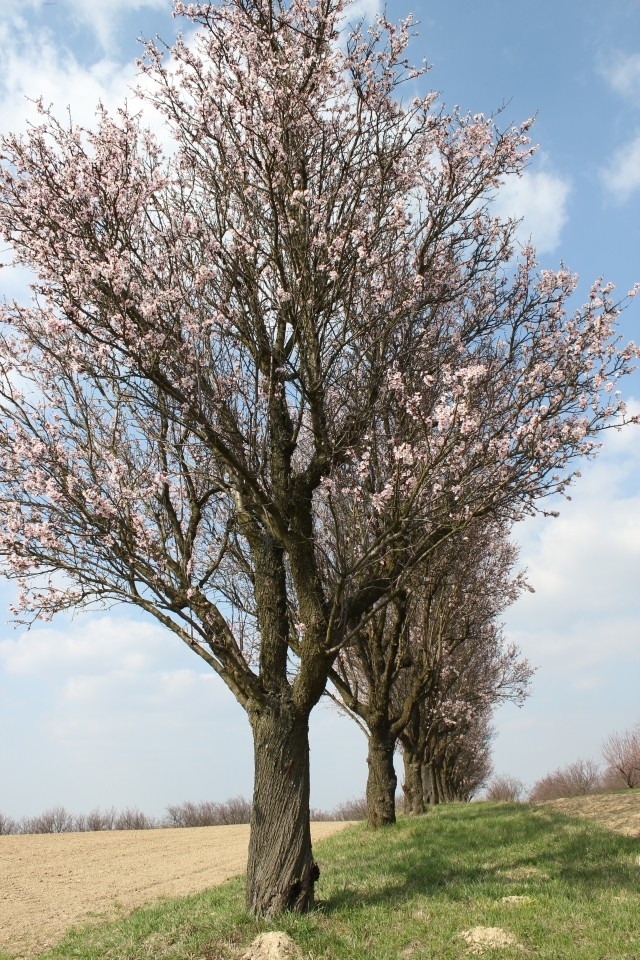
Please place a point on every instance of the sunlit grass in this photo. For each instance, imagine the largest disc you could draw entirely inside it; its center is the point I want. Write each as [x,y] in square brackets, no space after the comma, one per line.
[410,891]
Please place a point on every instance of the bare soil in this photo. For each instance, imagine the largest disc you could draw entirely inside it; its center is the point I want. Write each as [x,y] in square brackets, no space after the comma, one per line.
[617,811]
[49,883]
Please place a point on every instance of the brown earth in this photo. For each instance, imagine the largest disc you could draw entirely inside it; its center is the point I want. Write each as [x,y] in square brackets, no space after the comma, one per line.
[49,883]
[617,811]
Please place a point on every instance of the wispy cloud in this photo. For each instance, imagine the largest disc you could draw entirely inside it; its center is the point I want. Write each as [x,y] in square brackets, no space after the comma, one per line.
[622,72]
[102,18]
[622,175]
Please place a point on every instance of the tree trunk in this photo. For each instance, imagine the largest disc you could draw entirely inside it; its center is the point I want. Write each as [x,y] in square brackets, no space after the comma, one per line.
[281,871]
[381,780]
[412,787]
[429,785]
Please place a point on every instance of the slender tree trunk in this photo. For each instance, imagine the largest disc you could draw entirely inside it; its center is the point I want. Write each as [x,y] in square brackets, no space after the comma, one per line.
[429,785]
[412,787]
[381,780]
[441,790]
[281,871]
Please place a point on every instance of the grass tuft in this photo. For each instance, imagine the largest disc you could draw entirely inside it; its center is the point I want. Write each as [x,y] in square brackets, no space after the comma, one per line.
[429,887]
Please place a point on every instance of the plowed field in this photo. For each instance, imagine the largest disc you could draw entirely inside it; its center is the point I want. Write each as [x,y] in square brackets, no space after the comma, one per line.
[49,883]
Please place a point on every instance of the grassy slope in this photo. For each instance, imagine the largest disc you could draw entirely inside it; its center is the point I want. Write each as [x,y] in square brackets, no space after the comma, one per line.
[409,891]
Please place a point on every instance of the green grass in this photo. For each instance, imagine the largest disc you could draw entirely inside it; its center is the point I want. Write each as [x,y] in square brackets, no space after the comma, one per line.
[407,893]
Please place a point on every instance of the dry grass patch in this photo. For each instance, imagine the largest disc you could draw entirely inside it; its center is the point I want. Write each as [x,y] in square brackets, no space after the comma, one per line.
[618,811]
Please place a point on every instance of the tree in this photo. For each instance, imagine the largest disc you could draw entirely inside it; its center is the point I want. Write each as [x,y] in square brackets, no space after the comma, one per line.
[621,751]
[463,762]
[221,339]
[425,667]
[469,665]
[504,788]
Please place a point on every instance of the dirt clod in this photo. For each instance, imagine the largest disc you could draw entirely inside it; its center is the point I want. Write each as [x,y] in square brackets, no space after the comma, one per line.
[273,946]
[480,939]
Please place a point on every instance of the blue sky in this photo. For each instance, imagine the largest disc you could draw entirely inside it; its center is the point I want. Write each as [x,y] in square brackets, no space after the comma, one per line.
[109,709]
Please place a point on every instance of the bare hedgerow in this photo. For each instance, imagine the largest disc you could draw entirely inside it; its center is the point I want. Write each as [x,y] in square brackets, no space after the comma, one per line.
[208,814]
[8,825]
[133,819]
[191,814]
[96,820]
[578,779]
[505,789]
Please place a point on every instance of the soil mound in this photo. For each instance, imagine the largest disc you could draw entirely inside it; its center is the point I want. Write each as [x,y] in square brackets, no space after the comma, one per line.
[480,939]
[273,946]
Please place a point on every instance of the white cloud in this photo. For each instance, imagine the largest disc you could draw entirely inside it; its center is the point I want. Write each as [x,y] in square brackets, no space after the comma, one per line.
[623,74]
[91,646]
[107,710]
[35,65]
[583,565]
[622,176]
[581,627]
[539,199]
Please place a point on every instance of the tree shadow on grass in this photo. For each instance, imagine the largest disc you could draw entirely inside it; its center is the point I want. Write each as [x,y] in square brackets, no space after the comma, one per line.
[490,850]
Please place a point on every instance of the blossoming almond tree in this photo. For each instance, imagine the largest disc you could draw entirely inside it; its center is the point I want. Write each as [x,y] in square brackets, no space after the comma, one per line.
[217,337]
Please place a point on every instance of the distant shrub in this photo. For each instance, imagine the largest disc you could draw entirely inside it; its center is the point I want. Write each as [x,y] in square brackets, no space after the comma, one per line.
[55,820]
[99,819]
[8,825]
[505,789]
[354,809]
[235,810]
[578,779]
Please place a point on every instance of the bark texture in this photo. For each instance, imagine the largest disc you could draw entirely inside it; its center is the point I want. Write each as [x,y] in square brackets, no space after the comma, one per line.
[381,779]
[281,871]
[412,787]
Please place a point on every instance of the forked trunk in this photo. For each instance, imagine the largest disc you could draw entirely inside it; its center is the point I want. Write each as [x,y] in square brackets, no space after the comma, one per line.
[280,872]
[381,780]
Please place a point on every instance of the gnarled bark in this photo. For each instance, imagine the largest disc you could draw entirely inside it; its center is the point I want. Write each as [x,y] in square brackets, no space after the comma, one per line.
[281,871]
